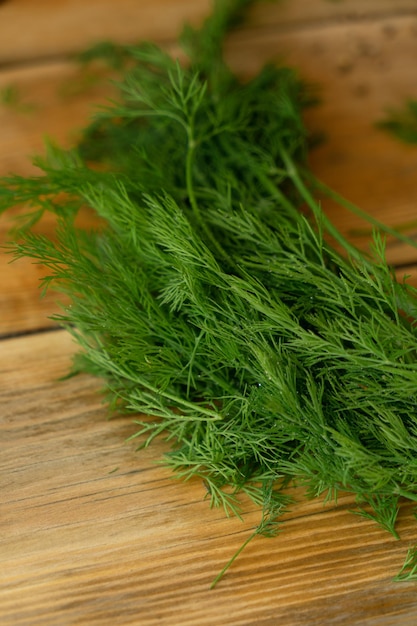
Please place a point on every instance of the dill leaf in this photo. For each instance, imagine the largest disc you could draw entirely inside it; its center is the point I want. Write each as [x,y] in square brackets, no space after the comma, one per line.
[408,571]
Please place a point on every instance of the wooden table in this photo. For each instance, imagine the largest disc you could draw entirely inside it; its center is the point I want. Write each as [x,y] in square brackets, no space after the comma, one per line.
[93,532]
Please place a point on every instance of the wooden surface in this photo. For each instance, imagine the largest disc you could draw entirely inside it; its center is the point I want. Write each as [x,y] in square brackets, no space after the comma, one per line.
[93,532]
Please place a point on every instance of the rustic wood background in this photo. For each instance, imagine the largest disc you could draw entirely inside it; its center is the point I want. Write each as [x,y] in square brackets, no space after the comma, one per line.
[93,532]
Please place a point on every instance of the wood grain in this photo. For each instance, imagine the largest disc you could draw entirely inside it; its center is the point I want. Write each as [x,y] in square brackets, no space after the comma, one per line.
[32,31]
[35,30]
[93,532]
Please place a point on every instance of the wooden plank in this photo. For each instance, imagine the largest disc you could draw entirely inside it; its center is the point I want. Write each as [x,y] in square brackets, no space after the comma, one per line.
[360,70]
[52,100]
[55,100]
[21,307]
[94,533]
[295,14]
[30,30]
[43,28]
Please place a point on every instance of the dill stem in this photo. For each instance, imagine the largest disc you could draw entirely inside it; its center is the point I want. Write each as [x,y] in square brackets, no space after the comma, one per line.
[234,557]
[353,208]
[189,174]
[189,162]
[207,413]
[275,192]
[407,494]
[318,213]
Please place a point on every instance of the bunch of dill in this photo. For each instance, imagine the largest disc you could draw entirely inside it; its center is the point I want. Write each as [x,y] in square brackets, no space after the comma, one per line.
[209,298]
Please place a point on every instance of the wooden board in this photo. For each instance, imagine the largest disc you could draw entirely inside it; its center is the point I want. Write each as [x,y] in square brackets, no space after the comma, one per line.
[93,532]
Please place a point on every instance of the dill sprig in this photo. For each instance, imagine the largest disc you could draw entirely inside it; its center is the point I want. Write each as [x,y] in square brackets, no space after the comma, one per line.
[408,571]
[402,122]
[209,297]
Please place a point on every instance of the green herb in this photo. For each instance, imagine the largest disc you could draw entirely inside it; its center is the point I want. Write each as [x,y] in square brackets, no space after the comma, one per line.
[408,571]
[11,97]
[384,511]
[402,122]
[209,298]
